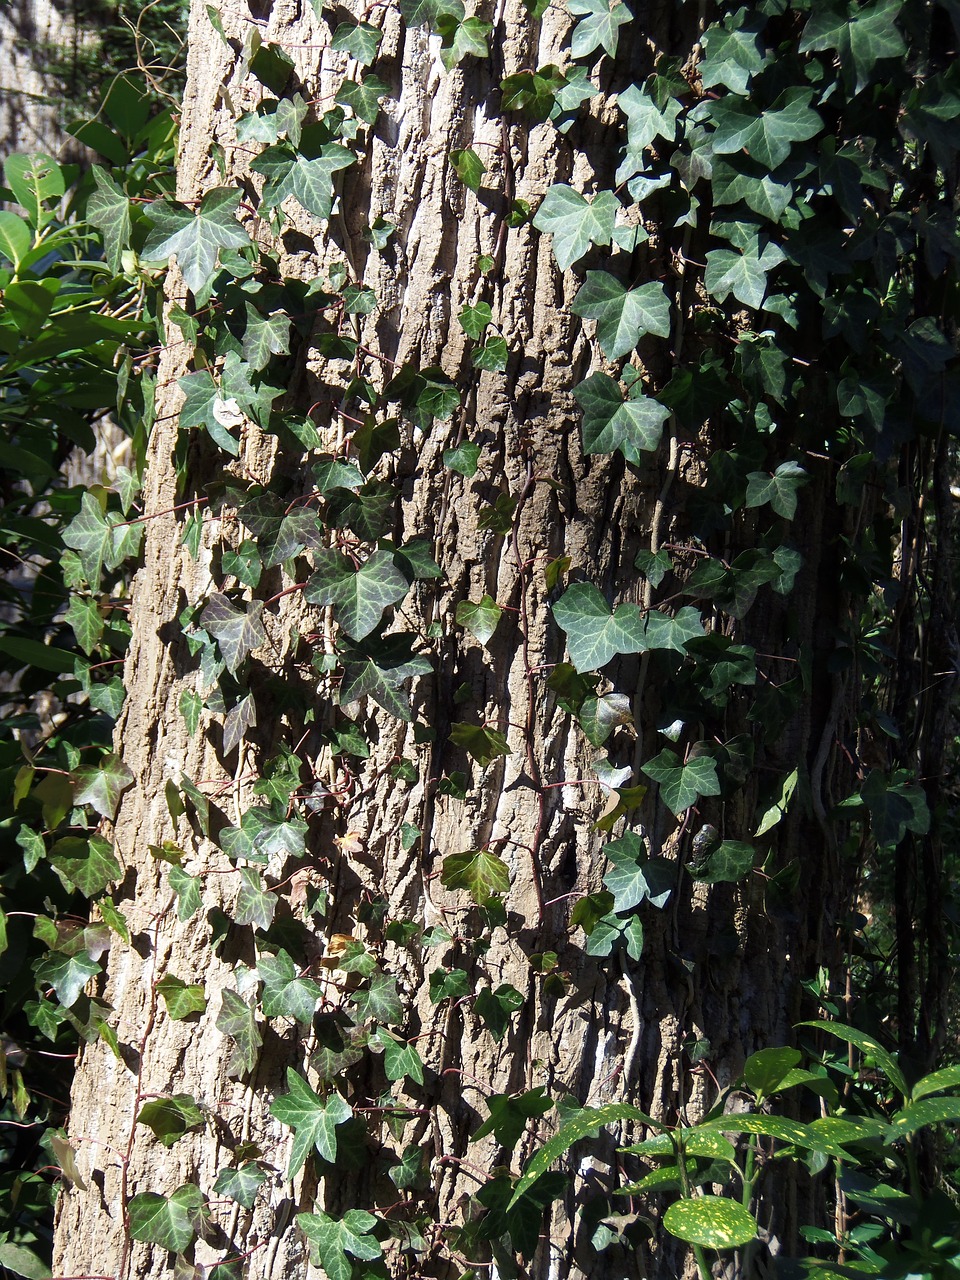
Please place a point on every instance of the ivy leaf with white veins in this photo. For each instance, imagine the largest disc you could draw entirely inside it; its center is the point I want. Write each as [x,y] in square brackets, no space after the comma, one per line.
[377,670]
[400,1058]
[779,489]
[172,1223]
[101,785]
[483,874]
[182,999]
[195,238]
[238,1020]
[241,1184]
[462,37]
[576,223]
[479,619]
[255,905]
[623,315]
[594,634]
[634,878]
[237,630]
[108,208]
[742,274]
[102,539]
[360,596]
[600,28]
[683,783]
[313,1119]
[333,1239]
[87,863]
[264,336]
[309,181]
[767,136]
[68,975]
[611,422]
[285,995]
[280,534]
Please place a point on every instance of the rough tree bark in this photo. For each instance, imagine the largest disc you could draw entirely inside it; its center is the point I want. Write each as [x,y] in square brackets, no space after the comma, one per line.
[718,966]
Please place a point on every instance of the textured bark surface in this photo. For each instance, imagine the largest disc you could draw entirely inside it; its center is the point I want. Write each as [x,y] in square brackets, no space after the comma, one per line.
[716,964]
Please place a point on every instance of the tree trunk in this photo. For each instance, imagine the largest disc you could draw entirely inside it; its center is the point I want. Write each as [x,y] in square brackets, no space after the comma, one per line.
[720,966]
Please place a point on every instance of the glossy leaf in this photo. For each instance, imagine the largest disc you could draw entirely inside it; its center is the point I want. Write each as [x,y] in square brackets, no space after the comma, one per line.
[196,238]
[576,223]
[314,1120]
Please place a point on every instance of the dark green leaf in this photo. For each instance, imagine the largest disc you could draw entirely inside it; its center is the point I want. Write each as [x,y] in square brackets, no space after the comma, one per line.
[172,1223]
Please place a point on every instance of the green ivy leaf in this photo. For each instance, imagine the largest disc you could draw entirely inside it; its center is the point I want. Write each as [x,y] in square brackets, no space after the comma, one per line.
[377,671]
[285,993]
[255,905]
[483,874]
[242,1183]
[623,315]
[448,984]
[237,629]
[238,1020]
[494,1008]
[108,208]
[715,1221]
[682,784]
[313,1119]
[468,167]
[509,1113]
[187,889]
[479,619]
[733,57]
[87,863]
[68,975]
[729,862]
[400,1057]
[264,336]
[172,1222]
[309,181]
[632,425]
[463,459]
[361,595]
[532,91]
[379,1000]
[599,28]
[195,238]
[599,716]
[84,616]
[779,489]
[480,742]
[281,533]
[102,539]
[359,39]
[594,634]
[633,878]
[171,1118]
[768,136]
[102,785]
[182,999]
[334,1241]
[576,223]
[461,38]
[742,274]
[363,97]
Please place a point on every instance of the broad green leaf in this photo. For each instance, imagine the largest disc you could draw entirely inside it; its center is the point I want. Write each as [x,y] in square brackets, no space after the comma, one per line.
[359,39]
[945,1078]
[776,811]
[683,783]
[264,336]
[766,1070]
[15,237]
[896,804]
[187,889]
[779,489]
[866,1044]
[729,862]
[585,1123]
[172,1223]
[576,223]
[237,629]
[21,1261]
[68,975]
[400,1057]
[255,904]
[623,315]
[313,1119]
[87,862]
[483,874]
[479,619]
[463,459]
[242,1183]
[360,595]
[237,1019]
[171,1118]
[474,319]
[742,274]
[633,878]
[715,1221]
[334,1241]
[281,533]
[108,208]
[196,238]
[448,984]
[922,1113]
[492,356]
[84,616]
[101,785]
[482,743]
[599,27]
[182,999]
[35,180]
[379,1000]
[468,167]
[594,634]
[633,425]
[285,993]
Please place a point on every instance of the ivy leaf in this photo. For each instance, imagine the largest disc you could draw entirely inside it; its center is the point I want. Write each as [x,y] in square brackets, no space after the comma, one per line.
[187,889]
[480,742]
[239,719]
[255,905]
[264,336]
[378,671]
[732,58]
[594,634]
[84,616]
[359,39]
[463,459]
[495,1007]
[241,1184]
[767,136]
[623,315]
[492,356]
[600,27]
[102,539]
[400,1057]
[613,931]
[309,181]
[448,984]
[285,994]
[237,1019]
[682,784]
[742,274]
[363,97]
[334,1241]
[182,999]
[483,874]
[369,512]
[663,632]
[237,630]
[479,619]
[68,975]
[779,489]
[172,1223]
[379,1000]
[171,1118]
[462,37]
[611,422]
[195,238]
[281,534]
[634,878]
[509,1113]
[599,716]
[576,223]
[361,595]
[468,167]
[474,320]
[313,1119]
[729,862]
[102,785]
[108,208]
[87,863]
[896,806]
